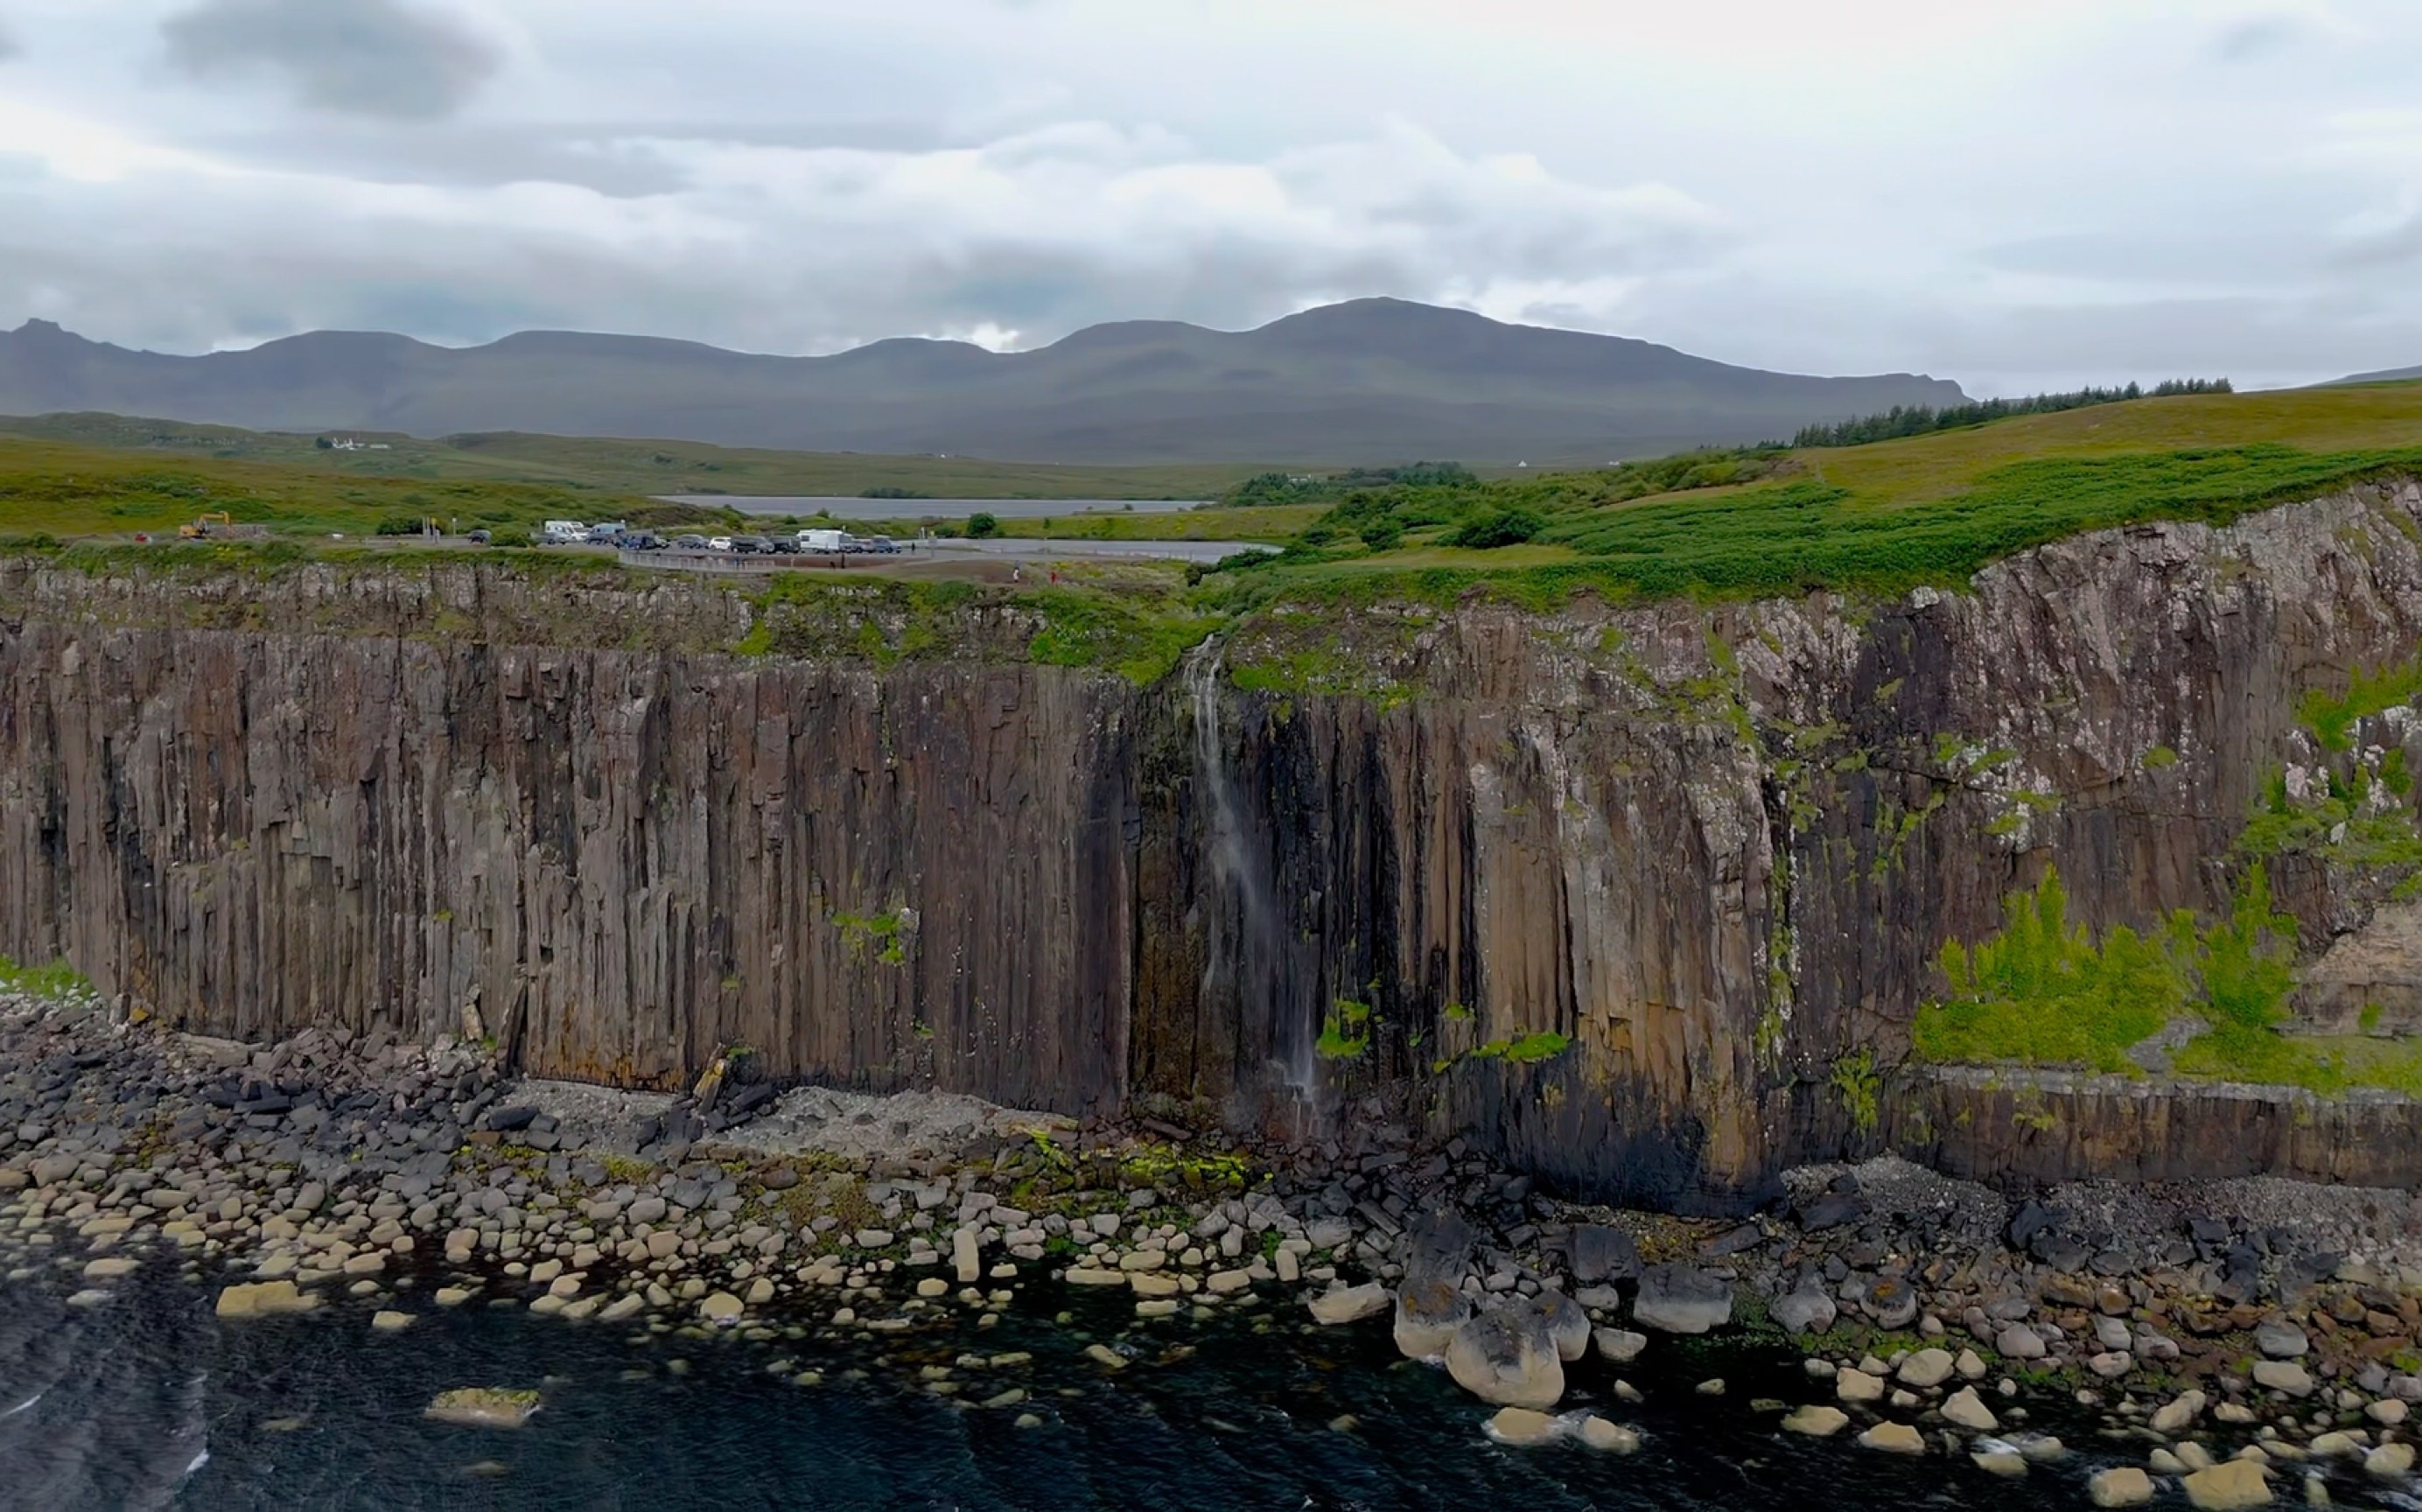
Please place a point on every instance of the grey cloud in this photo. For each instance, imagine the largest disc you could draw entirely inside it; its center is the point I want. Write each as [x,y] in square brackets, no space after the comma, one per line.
[2252,42]
[620,159]
[368,57]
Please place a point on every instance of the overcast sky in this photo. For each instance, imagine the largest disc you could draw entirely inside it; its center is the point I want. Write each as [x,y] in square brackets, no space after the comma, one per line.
[2013,195]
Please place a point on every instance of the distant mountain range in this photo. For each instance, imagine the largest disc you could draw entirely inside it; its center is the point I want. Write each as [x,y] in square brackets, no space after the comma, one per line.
[2386,375]
[1368,381]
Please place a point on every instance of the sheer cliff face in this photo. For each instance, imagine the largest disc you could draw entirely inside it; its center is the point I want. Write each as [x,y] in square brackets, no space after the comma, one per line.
[620,859]
[1717,848]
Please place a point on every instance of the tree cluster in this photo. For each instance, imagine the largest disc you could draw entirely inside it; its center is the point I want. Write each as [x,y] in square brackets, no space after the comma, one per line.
[1919,420]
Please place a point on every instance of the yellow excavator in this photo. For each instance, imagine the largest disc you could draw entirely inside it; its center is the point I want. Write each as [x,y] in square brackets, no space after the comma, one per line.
[223,522]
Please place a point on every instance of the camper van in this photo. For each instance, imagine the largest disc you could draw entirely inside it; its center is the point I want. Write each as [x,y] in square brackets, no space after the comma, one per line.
[564,533]
[827,541]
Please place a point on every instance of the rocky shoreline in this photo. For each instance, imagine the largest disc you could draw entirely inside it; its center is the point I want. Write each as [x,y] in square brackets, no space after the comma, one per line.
[2233,1342]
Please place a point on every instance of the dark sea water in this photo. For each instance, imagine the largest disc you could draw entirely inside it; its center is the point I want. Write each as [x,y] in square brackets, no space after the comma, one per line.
[149,1401]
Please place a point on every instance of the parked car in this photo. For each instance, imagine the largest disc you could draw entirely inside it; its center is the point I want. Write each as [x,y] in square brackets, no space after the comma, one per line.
[883,547]
[609,534]
[689,542]
[754,546]
[718,542]
[479,538]
[643,541]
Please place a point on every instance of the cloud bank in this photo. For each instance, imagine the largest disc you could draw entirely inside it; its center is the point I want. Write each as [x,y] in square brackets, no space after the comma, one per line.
[2015,197]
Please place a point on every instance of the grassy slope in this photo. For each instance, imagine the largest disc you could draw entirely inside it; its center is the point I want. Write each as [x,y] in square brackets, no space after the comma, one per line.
[1931,509]
[622,466]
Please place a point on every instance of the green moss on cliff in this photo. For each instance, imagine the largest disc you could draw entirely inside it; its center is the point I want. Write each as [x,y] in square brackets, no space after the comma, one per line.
[2042,992]
[2332,719]
[1139,637]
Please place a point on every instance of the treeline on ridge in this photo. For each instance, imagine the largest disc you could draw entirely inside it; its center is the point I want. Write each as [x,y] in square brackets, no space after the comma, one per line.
[1918,419]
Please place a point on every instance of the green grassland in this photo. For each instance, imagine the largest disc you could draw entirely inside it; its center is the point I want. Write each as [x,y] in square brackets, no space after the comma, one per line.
[75,489]
[618,466]
[1881,518]
[1930,509]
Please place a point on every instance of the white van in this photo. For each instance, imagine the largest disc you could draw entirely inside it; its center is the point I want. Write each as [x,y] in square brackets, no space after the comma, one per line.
[825,541]
[564,533]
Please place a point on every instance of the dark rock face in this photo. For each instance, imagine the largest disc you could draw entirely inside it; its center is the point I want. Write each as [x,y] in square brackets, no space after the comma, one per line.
[1715,849]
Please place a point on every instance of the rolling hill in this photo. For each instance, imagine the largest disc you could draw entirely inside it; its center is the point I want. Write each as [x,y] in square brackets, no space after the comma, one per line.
[1370,381]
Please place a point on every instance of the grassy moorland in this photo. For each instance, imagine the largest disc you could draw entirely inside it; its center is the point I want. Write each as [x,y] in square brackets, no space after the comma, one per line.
[615,466]
[1883,517]
[75,489]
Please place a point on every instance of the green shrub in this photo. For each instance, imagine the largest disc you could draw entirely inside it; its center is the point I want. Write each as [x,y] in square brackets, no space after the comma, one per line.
[1503,528]
[983,526]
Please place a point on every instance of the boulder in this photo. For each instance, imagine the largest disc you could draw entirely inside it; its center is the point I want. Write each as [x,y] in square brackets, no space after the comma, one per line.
[966,1257]
[1521,1427]
[2019,1342]
[1567,1326]
[1621,1345]
[1893,1438]
[1890,1302]
[2389,1461]
[1430,1304]
[1965,1408]
[1609,1437]
[2282,1376]
[264,1299]
[482,1406]
[2229,1487]
[1505,1356]
[1806,1309]
[2125,1486]
[1677,1298]
[1427,1316]
[1858,1386]
[2279,1339]
[1831,1210]
[1602,1255]
[2179,1412]
[1816,1421]
[1341,1306]
[721,1307]
[1926,1369]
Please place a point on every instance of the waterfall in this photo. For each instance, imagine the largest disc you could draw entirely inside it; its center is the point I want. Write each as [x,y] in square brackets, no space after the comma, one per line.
[1247,950]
